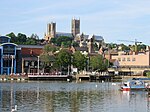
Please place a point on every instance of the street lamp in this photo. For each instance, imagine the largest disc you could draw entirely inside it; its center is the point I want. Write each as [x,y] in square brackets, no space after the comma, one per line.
[38,65]
[12,63]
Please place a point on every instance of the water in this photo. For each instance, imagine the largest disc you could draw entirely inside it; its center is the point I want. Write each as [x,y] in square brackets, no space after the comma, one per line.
[70,97]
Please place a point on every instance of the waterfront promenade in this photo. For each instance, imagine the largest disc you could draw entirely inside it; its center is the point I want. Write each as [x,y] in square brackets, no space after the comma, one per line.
[77,77]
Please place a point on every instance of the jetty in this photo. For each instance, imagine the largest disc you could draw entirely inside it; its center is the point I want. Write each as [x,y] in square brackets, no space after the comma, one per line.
[49,76]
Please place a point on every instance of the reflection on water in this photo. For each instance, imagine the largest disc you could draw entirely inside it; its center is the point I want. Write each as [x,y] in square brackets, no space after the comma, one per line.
[70,97]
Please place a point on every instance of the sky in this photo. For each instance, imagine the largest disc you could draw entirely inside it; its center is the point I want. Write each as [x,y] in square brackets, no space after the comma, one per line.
[114,20]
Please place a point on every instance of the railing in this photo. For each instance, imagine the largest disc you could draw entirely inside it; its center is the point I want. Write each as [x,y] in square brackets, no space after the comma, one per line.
[45,75]
[132,67]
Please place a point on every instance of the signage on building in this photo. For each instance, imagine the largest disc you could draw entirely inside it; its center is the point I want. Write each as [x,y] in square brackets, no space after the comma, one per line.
[8,57]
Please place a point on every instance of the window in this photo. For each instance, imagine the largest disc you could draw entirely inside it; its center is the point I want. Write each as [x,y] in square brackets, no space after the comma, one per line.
[128,59]
[119,59]
[32,63]
[123,59]
[8,49]
[133,59]
[26,63]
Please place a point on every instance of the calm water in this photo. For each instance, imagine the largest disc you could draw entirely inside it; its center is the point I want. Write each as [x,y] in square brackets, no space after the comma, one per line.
[70,97]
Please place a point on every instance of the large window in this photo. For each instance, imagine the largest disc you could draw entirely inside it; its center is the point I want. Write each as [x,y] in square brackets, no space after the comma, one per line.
[3,40]
[9,49]
[7,63]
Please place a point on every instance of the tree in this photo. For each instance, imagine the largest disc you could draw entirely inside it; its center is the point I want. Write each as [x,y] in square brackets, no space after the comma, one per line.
[32,40]
[64,58]
[75,44]
[48,58]
[13,37]
[125,47]
[47,61]
[53,41]
[79,60]
[21,38]
[66,41]
[98,63]
[49,48]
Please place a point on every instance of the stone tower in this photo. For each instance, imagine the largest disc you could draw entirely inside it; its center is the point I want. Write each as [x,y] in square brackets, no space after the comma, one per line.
[91,44]
[75,27]
[51,31]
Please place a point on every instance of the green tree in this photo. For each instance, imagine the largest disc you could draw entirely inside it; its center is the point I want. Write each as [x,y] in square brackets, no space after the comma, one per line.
[75,44]
[47,61]
[124,47]
[13,37]
[53,41]
[64,58]
[66,41]
[32,40]
[48,58]
[98,63]
[79,60]
[49,48]
[21,38]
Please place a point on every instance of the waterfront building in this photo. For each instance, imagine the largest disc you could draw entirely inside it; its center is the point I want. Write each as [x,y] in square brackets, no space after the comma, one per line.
[9,56]
[132,58]
[30,58]
[18,58]
[131,62]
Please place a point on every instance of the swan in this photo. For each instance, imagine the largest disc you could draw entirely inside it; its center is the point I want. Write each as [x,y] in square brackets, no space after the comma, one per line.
[14,109]
[113,84]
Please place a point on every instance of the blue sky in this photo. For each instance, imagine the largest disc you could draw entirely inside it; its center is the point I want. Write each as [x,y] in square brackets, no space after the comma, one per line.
[113,19]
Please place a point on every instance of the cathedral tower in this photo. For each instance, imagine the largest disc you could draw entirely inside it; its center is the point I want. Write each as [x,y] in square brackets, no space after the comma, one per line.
[75,27]
[51,31]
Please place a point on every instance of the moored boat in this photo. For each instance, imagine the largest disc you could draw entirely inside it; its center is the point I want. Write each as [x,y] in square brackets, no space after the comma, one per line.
[134,85]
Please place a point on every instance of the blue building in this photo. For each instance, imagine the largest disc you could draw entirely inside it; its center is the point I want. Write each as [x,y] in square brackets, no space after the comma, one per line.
[8,56]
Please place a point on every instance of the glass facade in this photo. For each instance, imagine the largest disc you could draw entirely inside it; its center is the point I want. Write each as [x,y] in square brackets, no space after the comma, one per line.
[8,56]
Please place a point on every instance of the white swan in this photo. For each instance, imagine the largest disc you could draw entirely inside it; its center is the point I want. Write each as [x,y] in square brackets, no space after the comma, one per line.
[113,84]
[14,109]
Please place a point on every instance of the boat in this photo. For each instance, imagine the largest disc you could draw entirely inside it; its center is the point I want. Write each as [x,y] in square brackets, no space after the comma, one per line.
[134,85]
[144,79]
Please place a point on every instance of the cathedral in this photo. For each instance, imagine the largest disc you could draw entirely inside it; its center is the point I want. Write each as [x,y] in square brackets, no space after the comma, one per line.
[83,39]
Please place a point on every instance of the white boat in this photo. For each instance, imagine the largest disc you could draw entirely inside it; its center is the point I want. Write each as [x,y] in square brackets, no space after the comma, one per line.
[134,85]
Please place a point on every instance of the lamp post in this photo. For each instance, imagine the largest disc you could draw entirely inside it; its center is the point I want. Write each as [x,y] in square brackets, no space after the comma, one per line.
[38,65]
[12,63]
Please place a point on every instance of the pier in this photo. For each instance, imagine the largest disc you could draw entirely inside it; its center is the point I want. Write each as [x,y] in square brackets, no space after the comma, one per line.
[48,76]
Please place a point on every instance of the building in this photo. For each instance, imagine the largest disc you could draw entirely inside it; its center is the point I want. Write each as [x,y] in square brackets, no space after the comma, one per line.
[51,31]
[127,63]
[30,58]
[18,58]
[10,55]
[133,59]
[75,29]
[84,41]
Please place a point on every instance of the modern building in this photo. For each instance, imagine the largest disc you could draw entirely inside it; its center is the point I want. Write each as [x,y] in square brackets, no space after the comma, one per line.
[18,58]
[10,55]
